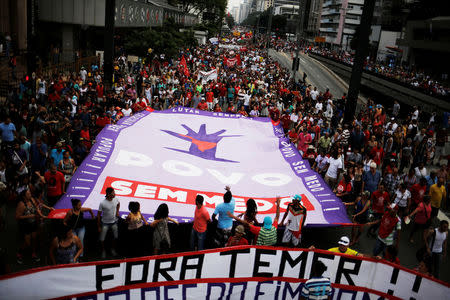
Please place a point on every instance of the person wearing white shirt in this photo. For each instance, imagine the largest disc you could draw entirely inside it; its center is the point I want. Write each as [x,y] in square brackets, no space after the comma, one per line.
[73,103]
[415,115]
[318,107]
[83,74]
[314,93]
[334,168]
[107,216]
[127,111]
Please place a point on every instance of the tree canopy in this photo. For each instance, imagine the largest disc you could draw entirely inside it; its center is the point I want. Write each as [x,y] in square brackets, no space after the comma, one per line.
[211,12]
[278,21]
[166,40]
[230,21]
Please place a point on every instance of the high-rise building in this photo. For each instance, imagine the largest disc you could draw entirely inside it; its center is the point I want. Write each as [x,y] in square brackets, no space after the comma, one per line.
[312,22]
[244,10]
[235,13]
[285,2]
[339,19]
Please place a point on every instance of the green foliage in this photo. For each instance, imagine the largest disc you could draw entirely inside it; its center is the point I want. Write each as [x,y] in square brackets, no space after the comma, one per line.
[278,21]
[166,40]
[212,12]
[230,21]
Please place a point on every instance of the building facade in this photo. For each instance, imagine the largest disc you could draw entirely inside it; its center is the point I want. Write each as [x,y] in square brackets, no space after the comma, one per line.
[339,19]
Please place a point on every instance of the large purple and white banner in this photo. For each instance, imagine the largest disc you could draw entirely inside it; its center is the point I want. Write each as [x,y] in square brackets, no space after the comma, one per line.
[171,156]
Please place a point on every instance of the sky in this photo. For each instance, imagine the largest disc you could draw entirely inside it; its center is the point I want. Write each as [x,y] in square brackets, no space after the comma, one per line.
[232,3]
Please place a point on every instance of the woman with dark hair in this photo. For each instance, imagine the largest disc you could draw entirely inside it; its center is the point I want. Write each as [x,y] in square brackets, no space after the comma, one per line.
[135,222]
[74,219]
[27,213]
[66,247]
[250,217]
[161,236]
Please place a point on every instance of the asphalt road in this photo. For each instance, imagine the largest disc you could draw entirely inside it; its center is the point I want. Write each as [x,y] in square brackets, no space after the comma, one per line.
[317,75]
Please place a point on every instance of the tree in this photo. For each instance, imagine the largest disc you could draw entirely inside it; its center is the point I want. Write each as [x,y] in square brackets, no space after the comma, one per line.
[211,11]
[230,21]
[167,40]
[278,21]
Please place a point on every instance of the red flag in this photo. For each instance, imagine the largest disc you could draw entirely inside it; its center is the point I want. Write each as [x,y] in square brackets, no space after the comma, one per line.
[184,65]
[238,57]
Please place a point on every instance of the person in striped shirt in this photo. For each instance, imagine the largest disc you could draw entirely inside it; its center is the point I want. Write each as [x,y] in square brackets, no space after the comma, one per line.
[317,287]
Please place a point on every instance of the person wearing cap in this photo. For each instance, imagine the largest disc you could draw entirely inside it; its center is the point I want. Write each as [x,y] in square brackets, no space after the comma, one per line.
[238,238]
[267,234]
[389,231]
[371,178]
[344,243]
[296,217]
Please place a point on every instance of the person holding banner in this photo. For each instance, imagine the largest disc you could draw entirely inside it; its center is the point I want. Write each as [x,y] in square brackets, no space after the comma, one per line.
[161,236]
[344,243]
[296,217]
[75,220]
[267,234]
[224,221]
[107,216]
[201,219]
[66,248]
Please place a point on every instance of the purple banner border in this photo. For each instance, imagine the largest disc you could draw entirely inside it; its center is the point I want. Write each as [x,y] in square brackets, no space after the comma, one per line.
[332,207]
[86,176]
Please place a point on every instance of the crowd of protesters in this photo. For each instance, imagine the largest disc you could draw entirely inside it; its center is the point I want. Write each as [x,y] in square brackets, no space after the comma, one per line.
[408,75]
[378,164]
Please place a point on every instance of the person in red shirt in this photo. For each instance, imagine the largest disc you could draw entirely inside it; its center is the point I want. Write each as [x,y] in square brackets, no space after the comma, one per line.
[209,99]
[379,199]
[390,225]
[423,217]
[293,136]
[286,121]
[202,105]
[100,91]
[344,189]
[201,219]
[377,153]
[242,111]
[55,185]
[238,238]
[54,97]
[418,190]
[217,108]
[274,113]
[231,108]
[102,121]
